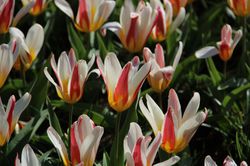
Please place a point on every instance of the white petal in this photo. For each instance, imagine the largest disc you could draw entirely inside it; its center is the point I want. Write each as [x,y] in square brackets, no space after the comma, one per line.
[192,107]
[209,161]
[153,149]
[129,159]
[65,7]
[237,38]
[178,20]
[206,52]
[173,160]
[178,55]
[23,11]
[28,157]
[112,26]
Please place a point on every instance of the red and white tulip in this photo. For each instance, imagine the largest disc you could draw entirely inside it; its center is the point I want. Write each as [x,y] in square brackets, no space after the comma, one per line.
[225,47]
[122,84]
[30,46]
[138,152]
[91,13]
[240,7]
[85,138]
[135,25]
[165,23]
[28,157]
[10,116]
[38,7]
[160,75]
[227,162]
[176,130]
[177,5]
[71,75]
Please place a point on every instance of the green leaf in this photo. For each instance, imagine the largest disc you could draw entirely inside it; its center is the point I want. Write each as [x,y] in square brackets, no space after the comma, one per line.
[101,46]
[105,159]
[215,75]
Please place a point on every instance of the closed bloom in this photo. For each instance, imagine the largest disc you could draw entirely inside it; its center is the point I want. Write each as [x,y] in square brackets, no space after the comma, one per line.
[30,46]
[165,23]
[85,138]
[28,157]
[122,84]
[71,76]
[38,7]
[10,116]
[176,130]
[240,7]
[8,56]
[225,47]
[177,5]
[227,162]
[160,75]
[138,151]
[91,13]
[135,25]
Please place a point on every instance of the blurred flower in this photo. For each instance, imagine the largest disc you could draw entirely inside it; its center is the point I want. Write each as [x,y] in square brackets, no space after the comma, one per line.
[38,7]
[124,84]
[71,76]
[177,5]
[227,162]
[30,46]
[85,138]
[177,130]
[8,56]
[240,7]
[28,157]
[138,151]
[225,47]
[91,13]
[7,11]
[135,25]
[10,116]
[160,76]
[165,24]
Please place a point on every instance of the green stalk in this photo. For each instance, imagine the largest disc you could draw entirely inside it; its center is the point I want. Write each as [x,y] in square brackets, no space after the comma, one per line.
[117,131]
[70,123]
[160,100]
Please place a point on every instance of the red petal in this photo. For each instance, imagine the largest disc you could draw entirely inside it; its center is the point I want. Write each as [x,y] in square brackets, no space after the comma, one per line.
[83,14]
[132,29]
[159,55]
[75,88]
[74,149]
[6,15]
[226,34]
[11,111]
[137,153]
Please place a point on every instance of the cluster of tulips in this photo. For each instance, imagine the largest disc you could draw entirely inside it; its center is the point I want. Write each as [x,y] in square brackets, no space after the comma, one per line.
[156,19]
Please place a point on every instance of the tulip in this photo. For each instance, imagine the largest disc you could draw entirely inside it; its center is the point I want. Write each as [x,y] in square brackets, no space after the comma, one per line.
[135,25]
[165,24]
[91,13]
[8,56]
[176,130]
[124,84]
[227,162]
[28,157]
[30,46]
[10,116]
[160,76]
[38,7]
[240,7]
[71,76]
[225,47]
[138,151]
[85,139]
[177,5]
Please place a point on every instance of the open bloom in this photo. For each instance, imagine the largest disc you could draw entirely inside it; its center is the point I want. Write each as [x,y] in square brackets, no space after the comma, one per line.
[71,76]
[124,84]
[138,151]
[160,75]
[91,13]
[240,7]
[30,46]
[227,162]
[177,5]
[85,138]
[8,56]
[165,24]
[38,7]
[177,130]
[10,116]
[28,157]
[135,25]
[225,47]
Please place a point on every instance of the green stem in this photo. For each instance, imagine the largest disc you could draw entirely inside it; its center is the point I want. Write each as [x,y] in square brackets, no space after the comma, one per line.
[244,37]
[70,123]
[160,100]
[117,131]
[225,70]
[23,75]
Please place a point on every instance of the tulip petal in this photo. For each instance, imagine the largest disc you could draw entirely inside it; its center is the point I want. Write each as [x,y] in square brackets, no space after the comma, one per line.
[237,38]
[23,11]
[192,107]
[64,70]
[206,52]
[173,160]
[129,160]
[226,34]
[17,161]
[178,55]
[173,103]
[4,129]
[65,7]
[229,162]
[159,55]
[153,149]
[104,12]
[113,26]
[46,73]
[29,157]
[209,161]
[178,20]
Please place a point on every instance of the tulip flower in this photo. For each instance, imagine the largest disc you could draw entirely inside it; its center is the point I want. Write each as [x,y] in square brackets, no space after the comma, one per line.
[135,25]
[10,116]
[227,162]
[30,46]
[224,48]
[165,24]
[160,76]
[124,84]
[8,56]
[85,139]
[240,7]
[177,5]
[177,130]
[71,76]
[91,13]
[7,11]
[28,157]
[138,151]
[38,7]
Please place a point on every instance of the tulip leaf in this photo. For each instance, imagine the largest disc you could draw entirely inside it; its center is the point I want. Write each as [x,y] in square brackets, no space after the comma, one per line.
[101,45]
[105,159]
[215,75]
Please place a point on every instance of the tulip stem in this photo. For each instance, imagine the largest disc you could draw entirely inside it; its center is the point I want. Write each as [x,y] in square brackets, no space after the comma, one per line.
[225,70]
[160,100]
[117,128]
[23,74]
[244,37]
[70,123]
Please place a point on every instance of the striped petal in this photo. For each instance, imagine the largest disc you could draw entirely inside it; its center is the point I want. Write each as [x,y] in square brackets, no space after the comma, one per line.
[173,160]
[65,7]
[28,157]
[174,104]
[153,149]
